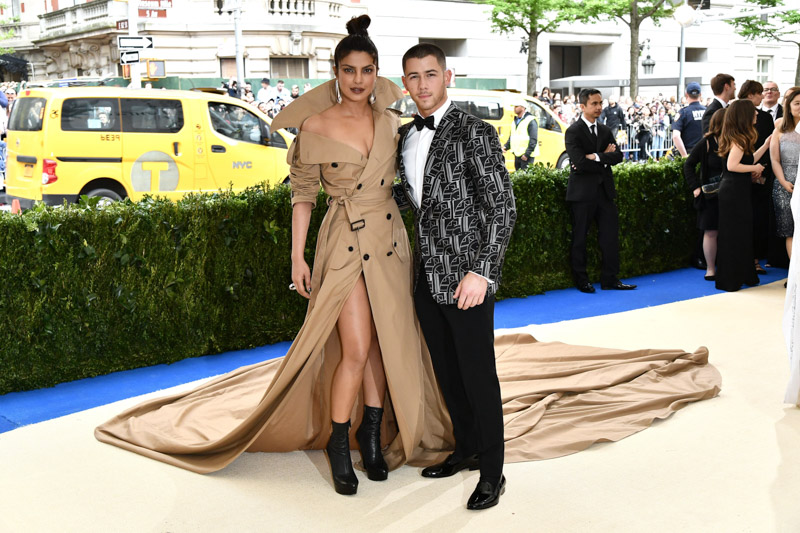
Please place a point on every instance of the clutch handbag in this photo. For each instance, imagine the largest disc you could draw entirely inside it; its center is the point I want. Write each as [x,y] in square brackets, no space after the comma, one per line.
[712,187]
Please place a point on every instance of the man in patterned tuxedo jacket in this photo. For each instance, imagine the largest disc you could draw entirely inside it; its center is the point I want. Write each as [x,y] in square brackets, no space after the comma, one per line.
[453,176]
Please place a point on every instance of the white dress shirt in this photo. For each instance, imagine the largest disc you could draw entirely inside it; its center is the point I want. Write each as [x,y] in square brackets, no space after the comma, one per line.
[590,124]
[415,153]
[721,101]
[771,110]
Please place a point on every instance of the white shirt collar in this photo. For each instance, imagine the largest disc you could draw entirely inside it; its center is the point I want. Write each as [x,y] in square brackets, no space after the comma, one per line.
[439,113]
[590,124]
[765,108]
[721,101]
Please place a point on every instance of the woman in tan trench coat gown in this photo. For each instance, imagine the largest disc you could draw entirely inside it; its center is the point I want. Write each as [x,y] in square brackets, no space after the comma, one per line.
[557,399]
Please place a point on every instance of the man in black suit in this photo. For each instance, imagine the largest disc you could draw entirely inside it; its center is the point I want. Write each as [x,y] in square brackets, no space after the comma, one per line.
[770,102]
[453,176]
[724,88]
[592,151]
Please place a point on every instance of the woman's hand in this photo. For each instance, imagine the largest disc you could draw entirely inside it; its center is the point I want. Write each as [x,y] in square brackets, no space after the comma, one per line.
[788,185]
[301,278]
[696,192]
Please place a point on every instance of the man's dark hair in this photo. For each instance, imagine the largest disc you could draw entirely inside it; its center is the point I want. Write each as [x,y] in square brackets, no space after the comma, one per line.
[749,88]
[719,82]
[585,94]
[424,50]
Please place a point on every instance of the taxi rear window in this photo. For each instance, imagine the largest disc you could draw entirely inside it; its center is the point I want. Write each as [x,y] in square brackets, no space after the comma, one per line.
[27,114]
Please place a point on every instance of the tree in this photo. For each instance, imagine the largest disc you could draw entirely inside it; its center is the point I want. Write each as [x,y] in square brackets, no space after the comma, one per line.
[783,27]
[533,17]
[631,12]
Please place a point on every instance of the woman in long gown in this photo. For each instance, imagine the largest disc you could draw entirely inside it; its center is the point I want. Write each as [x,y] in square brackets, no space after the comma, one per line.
[557,399]
[785,153]
[735,264]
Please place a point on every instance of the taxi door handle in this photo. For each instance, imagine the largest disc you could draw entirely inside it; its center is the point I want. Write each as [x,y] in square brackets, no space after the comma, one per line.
[175,148]
[217,149]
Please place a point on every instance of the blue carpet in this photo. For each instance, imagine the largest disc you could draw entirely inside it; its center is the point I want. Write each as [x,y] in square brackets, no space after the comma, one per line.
[570,304]
[29,407]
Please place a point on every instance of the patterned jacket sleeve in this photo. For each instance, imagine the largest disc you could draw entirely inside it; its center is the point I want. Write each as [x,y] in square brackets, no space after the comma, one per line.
[496,196]
[304,178]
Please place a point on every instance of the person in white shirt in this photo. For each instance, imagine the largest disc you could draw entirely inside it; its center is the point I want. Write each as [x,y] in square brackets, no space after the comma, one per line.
[770,103]
[265,90]
[453,176]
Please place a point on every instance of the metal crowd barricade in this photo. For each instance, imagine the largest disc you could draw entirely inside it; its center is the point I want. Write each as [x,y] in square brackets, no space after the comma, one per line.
[660,146]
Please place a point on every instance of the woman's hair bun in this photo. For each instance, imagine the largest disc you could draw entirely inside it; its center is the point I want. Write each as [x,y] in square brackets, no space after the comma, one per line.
[358,25]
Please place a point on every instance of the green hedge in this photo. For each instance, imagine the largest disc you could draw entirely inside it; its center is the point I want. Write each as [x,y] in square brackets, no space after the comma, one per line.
[88,291]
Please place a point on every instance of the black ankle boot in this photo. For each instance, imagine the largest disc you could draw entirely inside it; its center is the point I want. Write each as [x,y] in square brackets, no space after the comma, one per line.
[344,478]
[369,443]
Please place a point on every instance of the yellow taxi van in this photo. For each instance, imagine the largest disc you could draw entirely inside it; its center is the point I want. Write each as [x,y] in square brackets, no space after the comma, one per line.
[497,108]
[117,143]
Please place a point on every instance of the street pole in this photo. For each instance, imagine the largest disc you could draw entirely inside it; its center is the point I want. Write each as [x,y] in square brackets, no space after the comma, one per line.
[681,81]
[133,31]
[237,30]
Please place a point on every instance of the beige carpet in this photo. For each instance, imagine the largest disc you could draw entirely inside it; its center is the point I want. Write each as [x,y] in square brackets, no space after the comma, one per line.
[729,464]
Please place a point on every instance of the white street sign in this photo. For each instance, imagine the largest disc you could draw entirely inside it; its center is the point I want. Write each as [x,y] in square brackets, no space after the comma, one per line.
[126,57]
[137,42]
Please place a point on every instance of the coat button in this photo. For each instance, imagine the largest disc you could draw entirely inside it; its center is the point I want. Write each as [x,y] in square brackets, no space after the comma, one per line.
[359,186]
[388,216]
[381,183]
[366,257]
[395,245]
[335,165]
[390,253]
[349,248]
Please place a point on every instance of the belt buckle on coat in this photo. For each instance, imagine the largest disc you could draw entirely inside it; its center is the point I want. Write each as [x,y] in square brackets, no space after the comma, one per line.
[358,224]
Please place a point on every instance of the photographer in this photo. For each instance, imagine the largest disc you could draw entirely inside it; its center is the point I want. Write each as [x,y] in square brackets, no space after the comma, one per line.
[643,125]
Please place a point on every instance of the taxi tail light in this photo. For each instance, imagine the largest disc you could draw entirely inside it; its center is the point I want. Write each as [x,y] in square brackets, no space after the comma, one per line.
[48,171]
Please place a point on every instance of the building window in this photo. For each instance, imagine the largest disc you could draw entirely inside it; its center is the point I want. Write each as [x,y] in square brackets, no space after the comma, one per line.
[763,68]
[288,67]
[565,61]
[695,55]
[227,67]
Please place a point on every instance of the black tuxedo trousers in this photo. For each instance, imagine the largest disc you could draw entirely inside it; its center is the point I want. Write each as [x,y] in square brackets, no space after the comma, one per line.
[461,343]
[603,211]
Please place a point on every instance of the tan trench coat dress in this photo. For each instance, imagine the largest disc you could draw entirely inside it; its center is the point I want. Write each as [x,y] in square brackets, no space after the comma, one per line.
[557,399]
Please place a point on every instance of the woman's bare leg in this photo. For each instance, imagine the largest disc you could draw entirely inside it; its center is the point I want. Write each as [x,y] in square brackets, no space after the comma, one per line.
[357,334]
[710,251]
[789,246]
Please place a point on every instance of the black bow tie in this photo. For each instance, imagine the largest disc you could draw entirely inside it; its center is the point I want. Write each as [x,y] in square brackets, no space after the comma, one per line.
[420,122]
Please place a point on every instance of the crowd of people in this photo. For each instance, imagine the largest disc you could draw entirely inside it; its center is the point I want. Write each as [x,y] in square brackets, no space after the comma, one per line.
[268,99]
[643,126]
[741,167]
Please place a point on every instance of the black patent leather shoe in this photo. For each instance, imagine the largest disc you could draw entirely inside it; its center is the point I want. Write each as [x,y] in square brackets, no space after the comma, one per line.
[585,287]
[486,495]
[617,286]
[451,466]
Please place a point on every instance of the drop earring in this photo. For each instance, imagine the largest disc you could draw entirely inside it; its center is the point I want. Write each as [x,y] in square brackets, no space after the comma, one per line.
[338,93]
[372,97]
